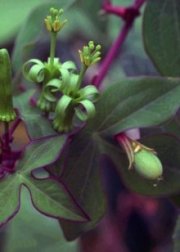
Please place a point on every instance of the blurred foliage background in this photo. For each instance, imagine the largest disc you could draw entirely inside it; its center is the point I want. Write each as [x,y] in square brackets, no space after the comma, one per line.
[23,33]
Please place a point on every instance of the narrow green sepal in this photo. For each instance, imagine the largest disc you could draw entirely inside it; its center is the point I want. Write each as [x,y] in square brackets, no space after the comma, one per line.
[34,70]
[89,92]
[147,164]
[7,112]
[45,105]
[85,110]
[64,113]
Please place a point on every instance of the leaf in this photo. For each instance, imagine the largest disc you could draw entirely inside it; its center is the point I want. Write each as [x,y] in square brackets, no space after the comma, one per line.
[31,29]
[11,10]
[31,231]
[81,176]
[37,125]
[132,103]
[163,145]
[41,153]
[176,236]
[50,198]
[9,198]
[161,29]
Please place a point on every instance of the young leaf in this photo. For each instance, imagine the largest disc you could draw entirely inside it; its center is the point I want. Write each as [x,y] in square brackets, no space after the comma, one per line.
[161,29]
[41,153]
[81,176]
[131,103]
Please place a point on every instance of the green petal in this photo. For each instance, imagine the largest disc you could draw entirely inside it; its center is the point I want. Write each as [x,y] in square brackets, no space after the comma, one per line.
[89,92]
[86,110]
[70,65]
[34,70]
[62,105]
[51,88]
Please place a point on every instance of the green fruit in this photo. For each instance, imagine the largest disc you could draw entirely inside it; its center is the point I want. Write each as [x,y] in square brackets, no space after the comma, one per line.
[147,164]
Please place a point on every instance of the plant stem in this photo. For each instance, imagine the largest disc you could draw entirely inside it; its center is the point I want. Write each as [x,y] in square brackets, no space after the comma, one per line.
[112,54]
[81,76]
[14,126]
[116,46]
[52,47]
[139,3]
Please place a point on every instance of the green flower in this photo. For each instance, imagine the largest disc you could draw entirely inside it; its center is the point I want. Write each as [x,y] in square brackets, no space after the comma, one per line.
[75,104]
[7,112]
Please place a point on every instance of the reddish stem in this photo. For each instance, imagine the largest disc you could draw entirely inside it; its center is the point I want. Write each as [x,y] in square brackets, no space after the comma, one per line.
[14,126]
[111,55]
[128,14]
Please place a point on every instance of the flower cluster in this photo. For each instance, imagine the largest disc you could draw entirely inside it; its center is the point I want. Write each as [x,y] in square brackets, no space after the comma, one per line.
[61,91]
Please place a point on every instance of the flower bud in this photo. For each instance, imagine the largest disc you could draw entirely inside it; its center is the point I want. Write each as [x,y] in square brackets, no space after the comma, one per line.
[53,21]
[7,112]
[90,54]
[147,164]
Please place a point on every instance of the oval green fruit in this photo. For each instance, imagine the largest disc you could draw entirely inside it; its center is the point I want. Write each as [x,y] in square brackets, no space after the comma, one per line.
[147,164]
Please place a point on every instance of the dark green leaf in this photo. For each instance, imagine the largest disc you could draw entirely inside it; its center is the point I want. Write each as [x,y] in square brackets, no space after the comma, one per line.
[31,231]
[161,31]
[9,197]
[132,103]
[37,125]
[81,175]
[31,30]
[41,153]
[51,198]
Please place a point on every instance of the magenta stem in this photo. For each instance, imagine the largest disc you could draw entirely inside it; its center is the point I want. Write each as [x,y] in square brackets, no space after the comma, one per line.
[14,126]
[138,4]
[112,54]
[117,45]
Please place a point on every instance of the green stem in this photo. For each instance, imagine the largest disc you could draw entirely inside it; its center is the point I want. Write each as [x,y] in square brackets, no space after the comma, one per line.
[53,47]
[81,76]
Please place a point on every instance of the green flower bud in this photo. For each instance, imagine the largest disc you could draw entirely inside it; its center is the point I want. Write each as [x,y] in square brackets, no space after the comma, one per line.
[53,22]
[147,164]
[90,54]
[7,112]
